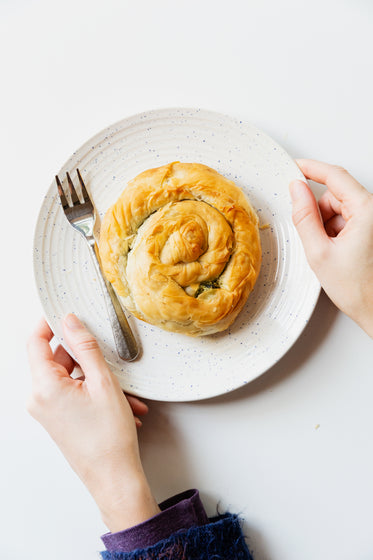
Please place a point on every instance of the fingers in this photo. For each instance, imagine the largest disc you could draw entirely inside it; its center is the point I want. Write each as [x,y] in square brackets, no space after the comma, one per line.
[308,221]
[335,225]
[138,407]
[337,179]
[39,351]
[332,211]
[64,359]
[86,349]
[329,206]
[45,370]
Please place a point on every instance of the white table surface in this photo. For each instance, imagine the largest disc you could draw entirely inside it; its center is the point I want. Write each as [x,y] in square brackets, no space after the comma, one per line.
[292,451]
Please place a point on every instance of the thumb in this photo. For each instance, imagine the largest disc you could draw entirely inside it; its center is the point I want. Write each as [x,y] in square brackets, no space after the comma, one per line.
[308,222]
[85,348]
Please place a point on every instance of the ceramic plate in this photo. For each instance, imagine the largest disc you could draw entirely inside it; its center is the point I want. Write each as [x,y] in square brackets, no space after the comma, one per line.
[175,367]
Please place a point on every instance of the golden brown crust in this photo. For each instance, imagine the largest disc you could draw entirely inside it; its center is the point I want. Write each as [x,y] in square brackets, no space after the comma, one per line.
[181,247]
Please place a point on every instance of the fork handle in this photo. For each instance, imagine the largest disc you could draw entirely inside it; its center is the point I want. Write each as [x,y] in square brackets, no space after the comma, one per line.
[125,341]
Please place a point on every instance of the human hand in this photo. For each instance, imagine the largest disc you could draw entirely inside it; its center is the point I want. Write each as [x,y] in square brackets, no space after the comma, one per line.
[91,421]
[337,235]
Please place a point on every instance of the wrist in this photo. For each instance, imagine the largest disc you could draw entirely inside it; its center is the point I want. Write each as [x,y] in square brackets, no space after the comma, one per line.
[363,311]
[365,321]
[126,503]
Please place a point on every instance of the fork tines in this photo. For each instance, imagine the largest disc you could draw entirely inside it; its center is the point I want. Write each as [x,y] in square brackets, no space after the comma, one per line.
[63,198]
[74,195]
[82,186]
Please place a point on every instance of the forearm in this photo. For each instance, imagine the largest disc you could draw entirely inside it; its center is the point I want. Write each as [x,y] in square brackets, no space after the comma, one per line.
[130,508]
[124,499]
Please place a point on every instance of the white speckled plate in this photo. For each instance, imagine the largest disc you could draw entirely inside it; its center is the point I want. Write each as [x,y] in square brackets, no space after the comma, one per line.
[174,367]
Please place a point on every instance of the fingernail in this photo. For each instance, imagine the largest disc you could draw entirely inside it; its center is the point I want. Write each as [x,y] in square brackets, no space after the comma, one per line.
[73,322]
[296,189]
[138,422]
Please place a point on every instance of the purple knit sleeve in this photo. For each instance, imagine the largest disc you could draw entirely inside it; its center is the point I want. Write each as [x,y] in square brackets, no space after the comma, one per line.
[178,513]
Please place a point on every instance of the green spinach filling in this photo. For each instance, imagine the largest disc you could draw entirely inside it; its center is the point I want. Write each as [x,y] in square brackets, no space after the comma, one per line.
[208,285]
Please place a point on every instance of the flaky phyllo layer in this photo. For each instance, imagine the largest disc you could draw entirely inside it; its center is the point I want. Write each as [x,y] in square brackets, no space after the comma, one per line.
[181,247]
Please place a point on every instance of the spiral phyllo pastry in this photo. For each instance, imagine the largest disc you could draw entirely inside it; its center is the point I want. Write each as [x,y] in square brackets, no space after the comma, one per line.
[181,247]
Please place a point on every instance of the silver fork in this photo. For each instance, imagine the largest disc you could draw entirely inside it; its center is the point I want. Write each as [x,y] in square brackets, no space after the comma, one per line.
[82,216]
